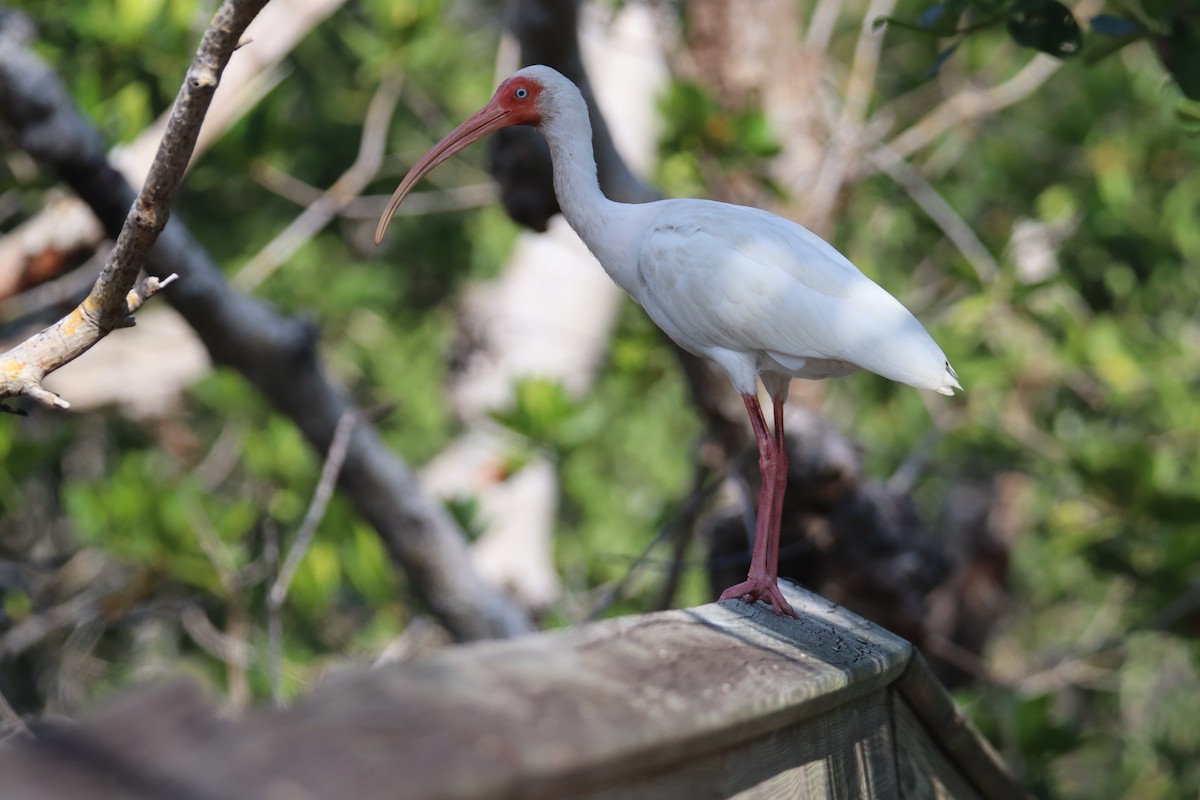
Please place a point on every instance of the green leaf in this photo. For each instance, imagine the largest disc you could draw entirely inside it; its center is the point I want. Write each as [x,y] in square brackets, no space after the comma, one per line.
[137,17]
[755,134]
[1046,25]
[540,410]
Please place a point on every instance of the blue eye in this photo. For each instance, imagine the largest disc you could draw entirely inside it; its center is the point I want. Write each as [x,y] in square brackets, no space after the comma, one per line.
[522,93]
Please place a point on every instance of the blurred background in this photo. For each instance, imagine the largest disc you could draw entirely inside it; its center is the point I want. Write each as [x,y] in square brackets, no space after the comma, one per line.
[1038,536]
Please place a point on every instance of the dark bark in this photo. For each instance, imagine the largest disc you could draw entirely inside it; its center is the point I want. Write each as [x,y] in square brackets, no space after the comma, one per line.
[548,34]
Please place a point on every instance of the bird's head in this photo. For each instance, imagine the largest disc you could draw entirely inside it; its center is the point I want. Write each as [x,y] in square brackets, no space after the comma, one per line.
[523,99]
[520,99]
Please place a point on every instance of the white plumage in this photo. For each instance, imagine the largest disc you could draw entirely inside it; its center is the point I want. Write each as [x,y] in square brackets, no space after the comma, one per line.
[757,293]
[760,295]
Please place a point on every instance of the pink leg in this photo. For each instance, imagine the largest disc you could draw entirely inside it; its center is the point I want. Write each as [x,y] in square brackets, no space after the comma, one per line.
[762,582]
[781,475]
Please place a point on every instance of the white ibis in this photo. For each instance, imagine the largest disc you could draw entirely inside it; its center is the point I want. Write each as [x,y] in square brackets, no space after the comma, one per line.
[758,294]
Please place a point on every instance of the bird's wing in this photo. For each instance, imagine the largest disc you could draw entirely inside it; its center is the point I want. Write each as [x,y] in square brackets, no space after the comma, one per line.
[715,276]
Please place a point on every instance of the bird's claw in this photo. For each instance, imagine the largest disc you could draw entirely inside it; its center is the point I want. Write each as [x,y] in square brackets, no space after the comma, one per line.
[766,589]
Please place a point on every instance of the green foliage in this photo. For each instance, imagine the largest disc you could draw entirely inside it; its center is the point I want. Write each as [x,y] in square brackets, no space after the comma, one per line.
[125,84]
[699,128]
[1080,377]
[1050,27]
[626,472]
[621,453]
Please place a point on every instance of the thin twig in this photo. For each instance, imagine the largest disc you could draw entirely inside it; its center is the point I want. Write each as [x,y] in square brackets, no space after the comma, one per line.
[685,515]
[682,531]
[847,140]
[958,656]
[316,509]
[230,650]
[229,646]
[1177,610]
[70,613]
[223,456]
[935,206]
[910,470]
[973,103]
[308,528]
[214,550]
[455,198]
[860,84]
[325,208]
[237,633]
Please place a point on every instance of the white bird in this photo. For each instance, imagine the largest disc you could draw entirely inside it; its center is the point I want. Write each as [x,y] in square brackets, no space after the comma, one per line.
[760,295]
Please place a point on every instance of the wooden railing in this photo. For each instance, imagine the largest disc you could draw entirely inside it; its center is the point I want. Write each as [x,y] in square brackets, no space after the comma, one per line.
[720,701]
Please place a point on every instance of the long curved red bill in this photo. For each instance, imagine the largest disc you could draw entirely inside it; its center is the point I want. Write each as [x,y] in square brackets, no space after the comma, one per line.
[487,120]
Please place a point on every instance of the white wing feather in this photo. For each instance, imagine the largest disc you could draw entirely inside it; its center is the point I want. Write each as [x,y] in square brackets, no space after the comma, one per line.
[718,277]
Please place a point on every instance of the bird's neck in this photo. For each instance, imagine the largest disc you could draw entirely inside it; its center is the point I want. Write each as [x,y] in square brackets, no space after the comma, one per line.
[592,215]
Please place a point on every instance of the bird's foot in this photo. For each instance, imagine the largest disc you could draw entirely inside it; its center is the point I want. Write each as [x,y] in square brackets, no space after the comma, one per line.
[762,588]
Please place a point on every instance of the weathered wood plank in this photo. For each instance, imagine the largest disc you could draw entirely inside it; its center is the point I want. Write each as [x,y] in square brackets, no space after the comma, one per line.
[725,700]
[925,771]
[955,735]
[845,752]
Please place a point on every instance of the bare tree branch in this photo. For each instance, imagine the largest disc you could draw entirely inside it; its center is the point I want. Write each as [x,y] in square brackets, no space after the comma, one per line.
[457,198]
[231,650]
[848,132]
[332,201]
[926,197]
[281,579]
[973,103]
[276,354]
[316,509]
[821,24]
[114,296]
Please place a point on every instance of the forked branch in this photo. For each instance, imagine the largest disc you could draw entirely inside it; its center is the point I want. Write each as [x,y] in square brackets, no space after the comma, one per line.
[115,297]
